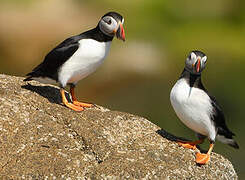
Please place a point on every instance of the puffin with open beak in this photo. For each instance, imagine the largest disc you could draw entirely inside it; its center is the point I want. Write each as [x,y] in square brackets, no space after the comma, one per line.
[78,56]
[197,109]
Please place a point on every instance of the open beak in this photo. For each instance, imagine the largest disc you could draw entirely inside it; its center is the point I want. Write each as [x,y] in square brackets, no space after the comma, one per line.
[198,65]
[120,32]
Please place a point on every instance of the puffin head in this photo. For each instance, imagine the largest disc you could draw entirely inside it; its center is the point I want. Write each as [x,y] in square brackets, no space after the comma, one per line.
[111,24]
[195,62]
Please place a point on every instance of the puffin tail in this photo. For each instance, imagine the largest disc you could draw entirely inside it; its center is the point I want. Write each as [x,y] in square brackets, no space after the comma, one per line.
[227,140]
[36,72]
[29,78]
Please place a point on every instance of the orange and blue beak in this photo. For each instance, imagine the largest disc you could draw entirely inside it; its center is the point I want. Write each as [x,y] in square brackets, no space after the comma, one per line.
[120,32]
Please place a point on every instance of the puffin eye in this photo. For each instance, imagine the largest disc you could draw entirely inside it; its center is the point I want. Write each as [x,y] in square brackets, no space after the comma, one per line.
[109,22]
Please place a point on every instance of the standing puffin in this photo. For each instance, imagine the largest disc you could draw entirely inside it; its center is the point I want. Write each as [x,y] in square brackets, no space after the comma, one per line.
[197,109]
[78,56]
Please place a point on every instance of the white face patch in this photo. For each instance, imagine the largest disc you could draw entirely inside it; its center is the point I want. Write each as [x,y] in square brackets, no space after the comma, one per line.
[107,25]
[204,59]
[193,56]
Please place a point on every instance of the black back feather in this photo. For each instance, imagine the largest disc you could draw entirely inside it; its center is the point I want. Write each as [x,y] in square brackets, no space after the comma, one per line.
[61,53]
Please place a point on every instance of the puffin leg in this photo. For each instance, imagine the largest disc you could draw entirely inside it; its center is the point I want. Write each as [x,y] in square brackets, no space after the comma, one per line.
[74,99]
[67,104]
[191,144]
[202,158]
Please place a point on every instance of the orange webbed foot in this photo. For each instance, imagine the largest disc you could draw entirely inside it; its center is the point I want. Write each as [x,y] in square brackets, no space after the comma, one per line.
[77,103]
[187,145]
[67,104]
[74,107]
[86,105]
[202,158]
[190,144]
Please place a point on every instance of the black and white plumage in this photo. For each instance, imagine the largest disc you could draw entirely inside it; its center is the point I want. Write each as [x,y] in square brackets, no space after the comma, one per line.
[80,55]
[195,107]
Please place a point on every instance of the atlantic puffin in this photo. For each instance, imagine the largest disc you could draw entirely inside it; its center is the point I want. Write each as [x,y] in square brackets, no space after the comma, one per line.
[197,109]
[78,56]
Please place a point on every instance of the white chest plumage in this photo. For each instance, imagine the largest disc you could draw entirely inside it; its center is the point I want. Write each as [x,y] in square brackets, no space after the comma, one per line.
[84,61]
[193,107]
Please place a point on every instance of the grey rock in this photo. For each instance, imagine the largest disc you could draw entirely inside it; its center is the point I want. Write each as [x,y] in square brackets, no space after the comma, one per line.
[42,139]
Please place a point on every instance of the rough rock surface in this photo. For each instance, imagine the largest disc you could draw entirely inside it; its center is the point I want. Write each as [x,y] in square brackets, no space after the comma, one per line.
[42,139]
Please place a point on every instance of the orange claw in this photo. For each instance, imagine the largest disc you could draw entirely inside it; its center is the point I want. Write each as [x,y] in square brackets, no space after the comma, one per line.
[67,104]
[202,158]
[77,103]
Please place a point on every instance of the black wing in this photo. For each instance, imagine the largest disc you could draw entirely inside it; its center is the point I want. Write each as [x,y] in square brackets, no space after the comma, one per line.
[218,115]
[55,58]
[58,56]
[219,119]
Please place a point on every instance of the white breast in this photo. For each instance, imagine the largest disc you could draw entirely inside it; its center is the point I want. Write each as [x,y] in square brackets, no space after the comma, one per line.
[193,107]
[84,61]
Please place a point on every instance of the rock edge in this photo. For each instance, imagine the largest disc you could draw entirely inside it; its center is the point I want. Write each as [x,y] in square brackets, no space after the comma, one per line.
[42,139]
